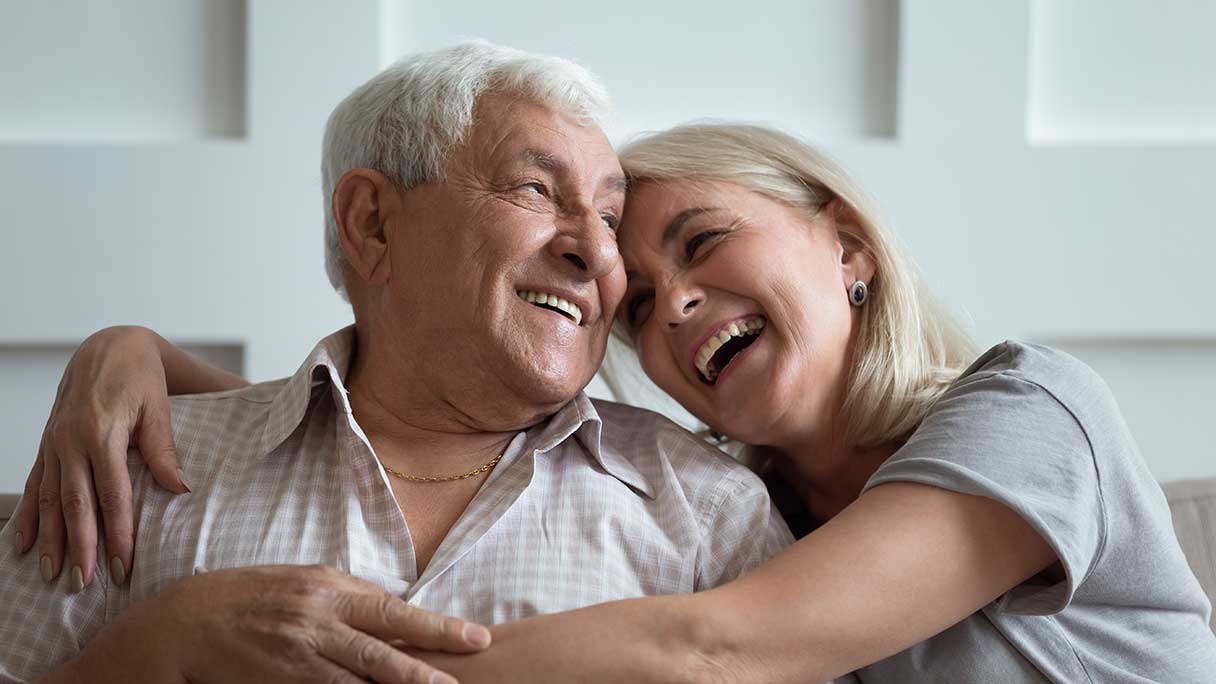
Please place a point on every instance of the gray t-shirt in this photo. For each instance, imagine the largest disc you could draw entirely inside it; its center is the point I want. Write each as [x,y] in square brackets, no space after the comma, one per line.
[1039,431]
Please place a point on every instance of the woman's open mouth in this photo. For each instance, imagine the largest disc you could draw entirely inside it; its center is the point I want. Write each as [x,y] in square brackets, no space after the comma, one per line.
[724,345]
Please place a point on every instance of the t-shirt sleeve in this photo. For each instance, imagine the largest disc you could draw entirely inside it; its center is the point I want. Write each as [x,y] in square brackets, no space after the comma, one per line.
[1007,438]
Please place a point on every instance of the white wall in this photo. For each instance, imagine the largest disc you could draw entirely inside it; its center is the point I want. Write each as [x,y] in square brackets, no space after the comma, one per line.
[1047,163]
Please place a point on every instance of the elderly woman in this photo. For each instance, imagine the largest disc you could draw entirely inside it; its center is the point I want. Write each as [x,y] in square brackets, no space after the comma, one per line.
[962,518]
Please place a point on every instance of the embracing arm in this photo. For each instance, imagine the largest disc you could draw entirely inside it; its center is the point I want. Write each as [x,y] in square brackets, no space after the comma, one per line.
[287,623]
[899,565]
[184,372]
[114,394]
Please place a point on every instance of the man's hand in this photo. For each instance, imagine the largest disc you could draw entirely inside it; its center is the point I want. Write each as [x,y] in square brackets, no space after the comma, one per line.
[113,395]
[278,623]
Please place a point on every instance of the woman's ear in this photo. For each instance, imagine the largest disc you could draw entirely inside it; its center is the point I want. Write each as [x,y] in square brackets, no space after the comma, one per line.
[359,207]
[856,257]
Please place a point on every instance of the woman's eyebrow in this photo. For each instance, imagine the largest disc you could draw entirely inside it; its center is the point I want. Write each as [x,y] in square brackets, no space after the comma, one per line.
[674,226]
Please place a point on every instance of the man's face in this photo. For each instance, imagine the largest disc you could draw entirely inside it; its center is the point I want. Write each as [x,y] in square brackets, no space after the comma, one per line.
[526,215]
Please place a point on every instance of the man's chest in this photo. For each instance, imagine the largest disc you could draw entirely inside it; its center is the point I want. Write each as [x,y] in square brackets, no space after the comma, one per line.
[430,510]
[510,553]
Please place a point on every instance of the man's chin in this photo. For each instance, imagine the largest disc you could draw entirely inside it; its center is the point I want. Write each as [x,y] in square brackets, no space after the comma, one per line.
[552,386]
[552,392]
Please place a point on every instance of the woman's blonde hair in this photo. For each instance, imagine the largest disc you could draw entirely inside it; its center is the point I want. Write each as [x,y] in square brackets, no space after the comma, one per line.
[909,348]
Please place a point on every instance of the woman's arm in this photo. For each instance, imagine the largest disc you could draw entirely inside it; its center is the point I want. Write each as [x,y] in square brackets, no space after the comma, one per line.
[899,565]
[114,394]
[185,373]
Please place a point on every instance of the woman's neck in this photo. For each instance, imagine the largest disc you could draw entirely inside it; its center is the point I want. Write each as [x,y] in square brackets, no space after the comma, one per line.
[828,477]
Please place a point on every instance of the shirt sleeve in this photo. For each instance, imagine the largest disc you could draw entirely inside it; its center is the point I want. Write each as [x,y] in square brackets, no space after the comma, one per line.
[43,625]
[1007,438]
[741,530]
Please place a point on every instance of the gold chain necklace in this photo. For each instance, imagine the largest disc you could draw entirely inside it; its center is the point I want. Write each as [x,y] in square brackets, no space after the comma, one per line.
[445,478]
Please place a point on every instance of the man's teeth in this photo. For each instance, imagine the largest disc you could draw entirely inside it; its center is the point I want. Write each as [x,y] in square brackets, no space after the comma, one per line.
[747,326]
[553,301]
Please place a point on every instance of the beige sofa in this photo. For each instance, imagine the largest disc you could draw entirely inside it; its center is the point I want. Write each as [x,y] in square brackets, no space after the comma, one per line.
[1193,503]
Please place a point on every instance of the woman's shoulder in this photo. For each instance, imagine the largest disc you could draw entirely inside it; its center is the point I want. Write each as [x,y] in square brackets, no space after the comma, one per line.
[1020,398]
[1063,377]
[1029,361]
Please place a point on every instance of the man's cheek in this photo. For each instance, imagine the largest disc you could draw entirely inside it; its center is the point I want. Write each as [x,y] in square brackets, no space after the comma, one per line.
[612,290]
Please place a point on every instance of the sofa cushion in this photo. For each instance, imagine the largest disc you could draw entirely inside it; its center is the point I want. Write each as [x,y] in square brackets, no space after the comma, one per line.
[1193,505]
[8,503]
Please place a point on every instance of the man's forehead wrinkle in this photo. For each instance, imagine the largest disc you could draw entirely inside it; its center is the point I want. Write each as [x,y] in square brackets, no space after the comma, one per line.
[510,136]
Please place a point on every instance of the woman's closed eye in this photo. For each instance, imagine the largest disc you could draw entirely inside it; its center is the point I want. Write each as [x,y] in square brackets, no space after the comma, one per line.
[695,243]
[638,308]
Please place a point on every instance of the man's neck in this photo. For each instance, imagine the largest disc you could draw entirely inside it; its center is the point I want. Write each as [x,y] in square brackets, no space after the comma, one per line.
[428,447]
[411,423]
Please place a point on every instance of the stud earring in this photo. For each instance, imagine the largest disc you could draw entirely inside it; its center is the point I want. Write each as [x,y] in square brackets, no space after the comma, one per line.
[858,293]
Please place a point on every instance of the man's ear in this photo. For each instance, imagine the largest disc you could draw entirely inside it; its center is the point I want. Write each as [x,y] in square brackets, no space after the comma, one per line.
[359,204]
[856,257]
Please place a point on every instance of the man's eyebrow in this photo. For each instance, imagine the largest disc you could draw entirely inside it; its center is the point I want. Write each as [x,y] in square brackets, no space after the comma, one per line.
[669,233]
[547,162]
[615,183]
[541,160]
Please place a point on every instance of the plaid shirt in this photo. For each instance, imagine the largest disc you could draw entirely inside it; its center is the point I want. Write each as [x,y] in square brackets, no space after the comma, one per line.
[600,502]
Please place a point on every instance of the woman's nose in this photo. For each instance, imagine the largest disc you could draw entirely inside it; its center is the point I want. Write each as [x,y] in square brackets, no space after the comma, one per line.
[677,303]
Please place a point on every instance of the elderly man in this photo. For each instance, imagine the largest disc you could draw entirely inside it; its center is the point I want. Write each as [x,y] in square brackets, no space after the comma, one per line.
[441,449]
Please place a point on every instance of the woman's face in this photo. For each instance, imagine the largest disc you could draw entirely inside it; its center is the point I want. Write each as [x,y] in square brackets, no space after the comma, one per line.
[738,306]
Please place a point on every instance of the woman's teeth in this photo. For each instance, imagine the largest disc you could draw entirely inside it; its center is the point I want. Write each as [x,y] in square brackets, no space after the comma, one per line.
[552,301]
[706,365]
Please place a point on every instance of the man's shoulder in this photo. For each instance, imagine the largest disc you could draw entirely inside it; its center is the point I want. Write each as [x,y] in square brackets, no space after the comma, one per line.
[259,393]
[660,448]
[228,415]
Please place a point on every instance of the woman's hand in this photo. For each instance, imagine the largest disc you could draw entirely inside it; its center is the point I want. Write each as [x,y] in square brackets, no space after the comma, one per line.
[274,623]
[113,395]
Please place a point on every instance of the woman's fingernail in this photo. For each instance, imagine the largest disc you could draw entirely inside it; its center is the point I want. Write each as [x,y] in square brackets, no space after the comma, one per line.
[476,634]
[19,541]
[77,580]
[182,478]
[45,566]
[438,677]
[118,573]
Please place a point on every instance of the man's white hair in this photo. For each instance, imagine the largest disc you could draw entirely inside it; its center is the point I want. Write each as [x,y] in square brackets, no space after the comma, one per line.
[408,119]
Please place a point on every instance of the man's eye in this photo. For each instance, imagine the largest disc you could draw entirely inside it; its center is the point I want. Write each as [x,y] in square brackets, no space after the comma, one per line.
[611,221]
[694,243]
[638,308]
[535,188]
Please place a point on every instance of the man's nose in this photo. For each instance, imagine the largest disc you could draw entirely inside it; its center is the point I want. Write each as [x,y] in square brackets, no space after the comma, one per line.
[587,245]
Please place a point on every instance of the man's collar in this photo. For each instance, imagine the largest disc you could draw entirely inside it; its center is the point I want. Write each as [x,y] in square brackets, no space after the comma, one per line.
[329,362]
[580,419]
